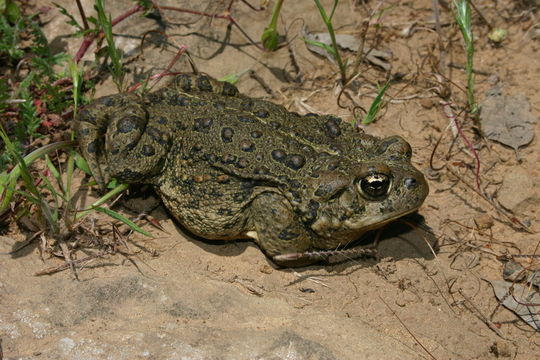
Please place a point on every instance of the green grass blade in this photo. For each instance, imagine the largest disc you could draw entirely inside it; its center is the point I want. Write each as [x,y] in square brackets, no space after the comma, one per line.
[123,219]
[9,180]
[375,105]
[102,200]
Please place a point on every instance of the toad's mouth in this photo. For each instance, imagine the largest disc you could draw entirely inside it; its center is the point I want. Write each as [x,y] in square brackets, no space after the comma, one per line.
[353,228]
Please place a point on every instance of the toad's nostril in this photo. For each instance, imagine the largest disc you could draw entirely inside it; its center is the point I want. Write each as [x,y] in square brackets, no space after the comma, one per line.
[410,182]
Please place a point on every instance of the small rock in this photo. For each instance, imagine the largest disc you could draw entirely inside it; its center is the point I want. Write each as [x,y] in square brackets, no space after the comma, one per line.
[483,221]
[427,103]
[513,271]
[517,188]
[265,269]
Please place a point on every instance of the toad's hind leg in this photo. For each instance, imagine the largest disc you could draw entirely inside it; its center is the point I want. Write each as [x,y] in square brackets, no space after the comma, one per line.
[278,230]
[121,141]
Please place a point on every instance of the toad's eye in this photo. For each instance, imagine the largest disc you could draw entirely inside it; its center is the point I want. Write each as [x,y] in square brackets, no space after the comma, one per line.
[374,186]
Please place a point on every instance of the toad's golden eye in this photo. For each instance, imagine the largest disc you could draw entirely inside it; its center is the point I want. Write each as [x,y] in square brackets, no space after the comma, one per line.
[374,186]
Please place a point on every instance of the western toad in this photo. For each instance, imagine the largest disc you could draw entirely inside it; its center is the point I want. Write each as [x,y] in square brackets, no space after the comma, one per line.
[228,166]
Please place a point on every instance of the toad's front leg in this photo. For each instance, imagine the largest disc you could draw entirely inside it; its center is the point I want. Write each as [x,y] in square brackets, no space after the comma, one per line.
[278,231]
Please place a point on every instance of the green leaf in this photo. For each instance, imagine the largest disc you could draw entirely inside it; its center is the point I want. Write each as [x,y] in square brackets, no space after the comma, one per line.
[324,46]
[81,163]
[123,219]
[12,11]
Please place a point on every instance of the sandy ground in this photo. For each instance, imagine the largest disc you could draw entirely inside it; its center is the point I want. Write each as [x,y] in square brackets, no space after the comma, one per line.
[175,297]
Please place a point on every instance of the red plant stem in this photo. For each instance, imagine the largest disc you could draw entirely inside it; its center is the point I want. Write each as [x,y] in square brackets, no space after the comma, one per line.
[469,146]
[165,72]
[88,40]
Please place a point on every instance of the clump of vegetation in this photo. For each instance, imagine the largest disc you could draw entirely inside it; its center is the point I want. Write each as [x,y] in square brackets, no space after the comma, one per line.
[30,95]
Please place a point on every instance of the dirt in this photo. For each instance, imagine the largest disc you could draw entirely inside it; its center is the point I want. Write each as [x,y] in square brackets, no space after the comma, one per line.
[175,297]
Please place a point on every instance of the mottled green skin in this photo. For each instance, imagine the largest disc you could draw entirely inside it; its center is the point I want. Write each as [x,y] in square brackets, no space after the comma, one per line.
[227,165]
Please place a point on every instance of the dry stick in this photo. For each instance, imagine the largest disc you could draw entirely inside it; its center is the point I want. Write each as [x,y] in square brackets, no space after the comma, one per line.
[481,316]
[252,7]
[480,14]
[455,121]
[226,16]
[442,53]
[512,220]
[406,328]
[64,266]
[83,15]
[88,40]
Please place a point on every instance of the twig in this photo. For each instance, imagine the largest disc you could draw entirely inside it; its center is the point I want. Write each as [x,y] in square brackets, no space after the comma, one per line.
[406,328]
[64,266]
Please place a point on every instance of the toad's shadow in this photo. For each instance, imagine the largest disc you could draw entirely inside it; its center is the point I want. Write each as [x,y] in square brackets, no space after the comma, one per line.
[410,238]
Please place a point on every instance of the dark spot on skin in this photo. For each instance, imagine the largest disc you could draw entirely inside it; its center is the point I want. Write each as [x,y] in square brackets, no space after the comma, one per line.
[410,183]
[178,100]
[92,147]
[224,211]
[84,131]
[184,81]
[261,171]
[242,163]
[203,83]
[314,174]
[115,151]
[288,234]
[148,150]
[311,215]
[332,128]
[228,159]
[295,161]
[335,148]
[108,101]
[323,190]
[163,120]
[202,124]
[256,134]
[180,125]
[295,184]
[333,165]
[262,114]
[259,157]
[229,89]
[246,105]
[129,123]
[275,125]
[131,145]
[153,99]
[129,175]
[247,146]
[278,155]
[343,217]
[157,135]
[196,147]
[312,115]
[87,116]
[295,195]
[227,134]
[211,158]
[245,119]
[218,105]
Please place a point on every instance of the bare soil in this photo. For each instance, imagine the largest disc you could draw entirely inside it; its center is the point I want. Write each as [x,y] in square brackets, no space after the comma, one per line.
[175,297]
